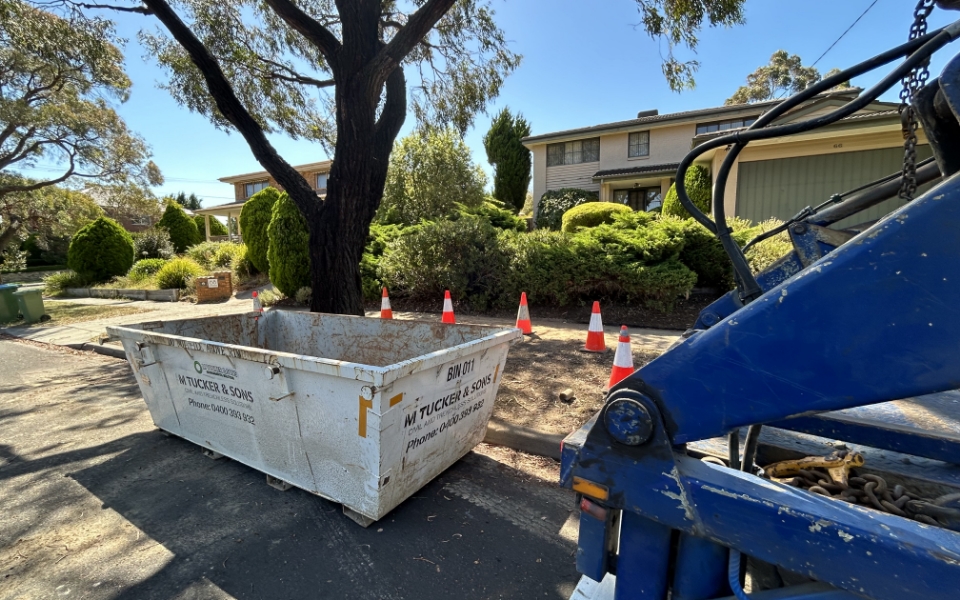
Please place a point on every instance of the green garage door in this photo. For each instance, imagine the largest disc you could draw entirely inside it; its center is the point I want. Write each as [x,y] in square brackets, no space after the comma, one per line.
[782,187]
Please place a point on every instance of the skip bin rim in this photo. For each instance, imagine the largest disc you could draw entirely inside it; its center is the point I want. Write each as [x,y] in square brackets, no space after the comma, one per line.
[378,376]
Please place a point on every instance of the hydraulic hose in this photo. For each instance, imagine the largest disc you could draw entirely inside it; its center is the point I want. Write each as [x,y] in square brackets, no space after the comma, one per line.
[918,50]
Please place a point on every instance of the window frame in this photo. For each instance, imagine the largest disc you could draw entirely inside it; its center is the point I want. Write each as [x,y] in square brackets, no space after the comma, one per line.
[638,145]
[573,152]
[326,179]
[717,126]
[246,187]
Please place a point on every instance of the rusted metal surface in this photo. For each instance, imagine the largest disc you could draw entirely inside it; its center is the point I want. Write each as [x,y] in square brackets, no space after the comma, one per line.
[360,411]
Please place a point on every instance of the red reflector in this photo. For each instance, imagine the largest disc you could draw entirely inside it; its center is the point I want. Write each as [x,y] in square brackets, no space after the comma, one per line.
[594,510]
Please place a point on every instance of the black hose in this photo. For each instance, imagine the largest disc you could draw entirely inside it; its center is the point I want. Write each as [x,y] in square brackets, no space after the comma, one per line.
[919,50]
[750,447]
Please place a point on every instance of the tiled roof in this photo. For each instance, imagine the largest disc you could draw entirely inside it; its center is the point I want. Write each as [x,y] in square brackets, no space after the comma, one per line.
[664,168]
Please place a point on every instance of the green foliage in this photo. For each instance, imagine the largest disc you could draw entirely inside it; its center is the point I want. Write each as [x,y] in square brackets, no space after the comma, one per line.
[499,217]
[101,250]
[591,215]
[191,201]
[146,268]
[704,254]
[461,256]
[177,273]
[215,255]
[431,172]
[303,296]
[767,252]
[55,284]
[152,243]
[783,75]
[254,219]
[43,216]
[59,78]
[271,297]
[183,231]
[699,189]
[556,202]
[241,267]
[378,240]
[289,248]
[511,160]
[216,227]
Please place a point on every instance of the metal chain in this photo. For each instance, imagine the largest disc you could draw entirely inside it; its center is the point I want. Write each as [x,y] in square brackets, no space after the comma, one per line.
[912,83]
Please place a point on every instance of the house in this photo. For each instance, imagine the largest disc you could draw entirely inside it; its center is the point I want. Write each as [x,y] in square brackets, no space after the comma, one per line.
[634,162]
[248,184]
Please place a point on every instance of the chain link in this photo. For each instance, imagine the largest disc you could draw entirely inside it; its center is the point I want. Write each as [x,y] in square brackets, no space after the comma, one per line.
[912,83]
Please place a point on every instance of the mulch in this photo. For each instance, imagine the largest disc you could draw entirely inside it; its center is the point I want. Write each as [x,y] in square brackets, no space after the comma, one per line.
[683,316]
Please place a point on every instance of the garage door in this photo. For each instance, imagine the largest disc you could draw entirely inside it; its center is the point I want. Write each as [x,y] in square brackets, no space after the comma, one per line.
[782,187]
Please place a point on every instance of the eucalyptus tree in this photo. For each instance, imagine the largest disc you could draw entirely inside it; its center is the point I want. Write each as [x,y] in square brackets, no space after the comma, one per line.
[336,72]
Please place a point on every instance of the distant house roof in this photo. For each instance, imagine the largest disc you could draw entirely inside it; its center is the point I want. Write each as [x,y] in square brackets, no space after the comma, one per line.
[892,115]
[688,115]
[646,169]
[321,166]
[220,209]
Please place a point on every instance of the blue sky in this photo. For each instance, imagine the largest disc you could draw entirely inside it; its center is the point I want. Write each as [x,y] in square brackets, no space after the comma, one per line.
[584,63]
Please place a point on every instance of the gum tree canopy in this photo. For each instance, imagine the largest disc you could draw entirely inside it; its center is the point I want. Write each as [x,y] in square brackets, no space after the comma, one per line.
[336,71]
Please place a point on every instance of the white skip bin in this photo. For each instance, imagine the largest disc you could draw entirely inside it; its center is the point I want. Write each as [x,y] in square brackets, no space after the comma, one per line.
[361,411]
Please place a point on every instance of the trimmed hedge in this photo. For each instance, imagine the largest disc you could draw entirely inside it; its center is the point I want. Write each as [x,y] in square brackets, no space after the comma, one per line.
[556,202]
[462,256]
[254,219]
[100,251]
[493,210]
[216,227]
[183,231]
[699,188]
[591,215]
[177,273]
[288,252]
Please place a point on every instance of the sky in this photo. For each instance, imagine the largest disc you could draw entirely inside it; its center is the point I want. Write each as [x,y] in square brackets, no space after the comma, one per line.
[584,63]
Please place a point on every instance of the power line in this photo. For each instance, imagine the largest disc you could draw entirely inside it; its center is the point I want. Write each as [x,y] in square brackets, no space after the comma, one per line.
[844,33]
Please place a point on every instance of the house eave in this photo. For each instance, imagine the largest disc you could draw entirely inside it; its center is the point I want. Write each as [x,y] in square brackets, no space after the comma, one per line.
[322,166]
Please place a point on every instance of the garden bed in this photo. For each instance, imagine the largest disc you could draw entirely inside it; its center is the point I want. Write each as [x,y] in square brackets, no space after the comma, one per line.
[682,317]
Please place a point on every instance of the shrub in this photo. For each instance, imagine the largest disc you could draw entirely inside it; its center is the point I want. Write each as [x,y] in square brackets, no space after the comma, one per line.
[496,214]
[143,269]
[216,227]
[152,243]
[303,296]
[215,255]
[55,284]
[241,266]
[703,253]
[556,202]
[202,253]
[254,220]
[378,239]
[288,252]
[591,215]
[769,250]
[101,250]
[270,297]
[463,256]
[183,231]
[698,186]
[177,273]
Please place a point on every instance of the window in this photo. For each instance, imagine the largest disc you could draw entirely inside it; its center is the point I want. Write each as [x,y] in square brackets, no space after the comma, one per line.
[252,188]
[638,144]
[321,183]
[725,125]
[573,153]
[639,198]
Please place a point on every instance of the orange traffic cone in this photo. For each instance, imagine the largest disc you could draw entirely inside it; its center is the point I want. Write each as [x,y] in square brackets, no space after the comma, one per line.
[595,339]
[622,360]
[447,309]
[523,316]
[385,311]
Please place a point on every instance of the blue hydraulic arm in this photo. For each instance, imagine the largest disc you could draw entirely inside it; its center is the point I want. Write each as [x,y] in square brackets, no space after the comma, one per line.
[847,319]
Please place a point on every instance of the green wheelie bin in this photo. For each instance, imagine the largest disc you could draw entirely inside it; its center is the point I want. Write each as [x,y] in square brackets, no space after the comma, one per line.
[8,303]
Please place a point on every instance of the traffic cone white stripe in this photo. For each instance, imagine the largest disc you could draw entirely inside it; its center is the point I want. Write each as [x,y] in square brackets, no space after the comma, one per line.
[595,340]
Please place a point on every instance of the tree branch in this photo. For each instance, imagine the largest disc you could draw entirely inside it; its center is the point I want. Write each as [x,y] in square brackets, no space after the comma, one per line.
[11,157]
[418,26]
[233,110]
[305,25]
[143,10]
[10,231]
[7,189]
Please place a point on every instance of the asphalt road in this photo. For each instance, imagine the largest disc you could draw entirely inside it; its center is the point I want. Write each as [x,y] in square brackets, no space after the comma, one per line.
[95,502]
